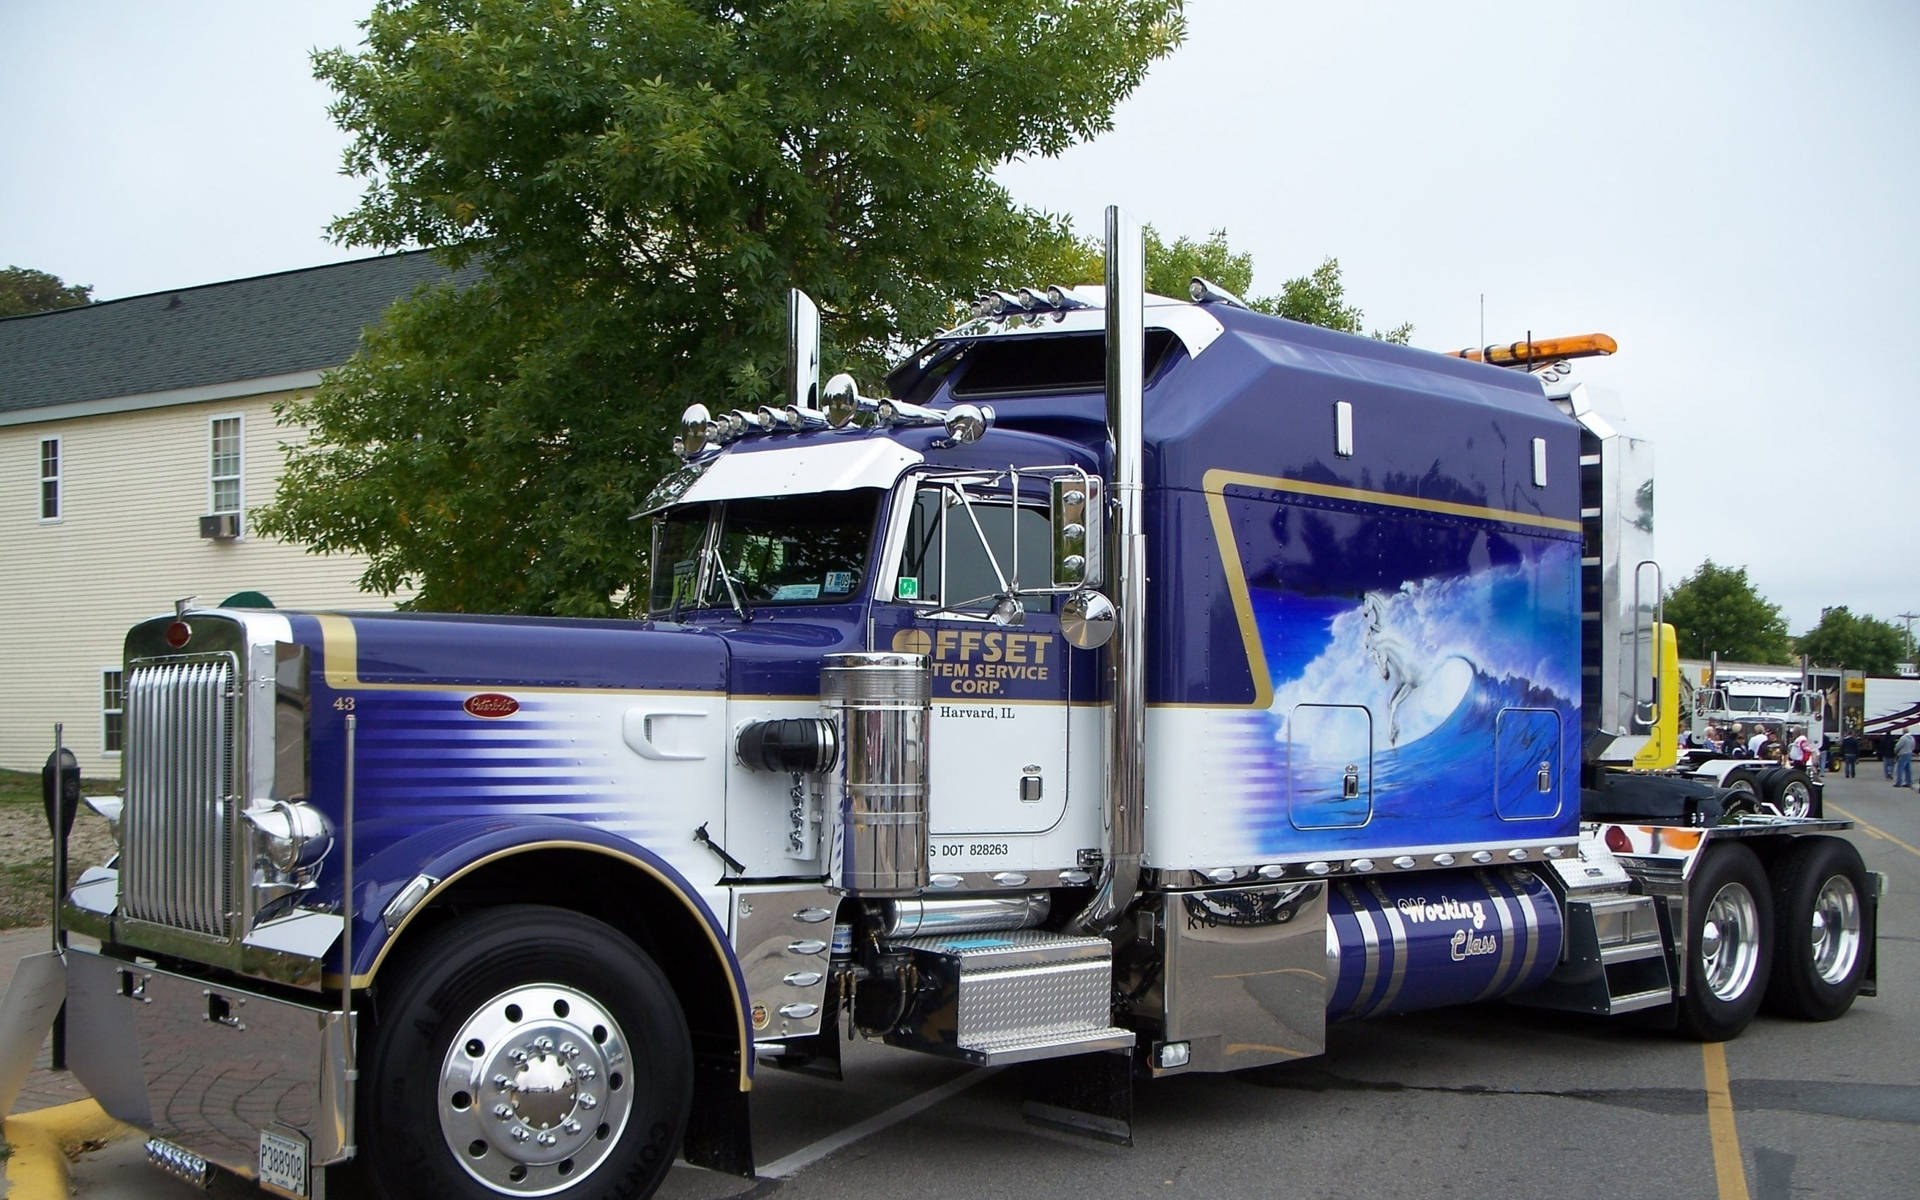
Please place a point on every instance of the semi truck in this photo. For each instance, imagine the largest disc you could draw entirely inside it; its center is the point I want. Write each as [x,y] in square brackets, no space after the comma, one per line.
[1139,686]
[1742,700]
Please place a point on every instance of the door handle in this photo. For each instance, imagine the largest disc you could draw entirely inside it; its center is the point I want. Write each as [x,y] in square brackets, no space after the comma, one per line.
[637,729]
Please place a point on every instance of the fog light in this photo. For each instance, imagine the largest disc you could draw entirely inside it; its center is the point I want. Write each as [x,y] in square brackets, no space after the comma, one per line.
[1168,1055]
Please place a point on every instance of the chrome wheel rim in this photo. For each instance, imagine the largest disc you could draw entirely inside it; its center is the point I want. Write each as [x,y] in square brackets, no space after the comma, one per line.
[1796,800]
[1836,930]
[534,1090]
[1730,942]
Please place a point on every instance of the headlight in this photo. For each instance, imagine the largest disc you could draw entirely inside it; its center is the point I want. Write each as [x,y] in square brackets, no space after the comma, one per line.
[291,835]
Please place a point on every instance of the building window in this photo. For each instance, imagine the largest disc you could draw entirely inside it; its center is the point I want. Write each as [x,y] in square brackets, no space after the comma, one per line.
[50,479]
[113,709]
[223,466]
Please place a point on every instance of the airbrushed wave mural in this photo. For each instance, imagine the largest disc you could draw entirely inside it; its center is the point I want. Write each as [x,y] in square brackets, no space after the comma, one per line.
[1441,711]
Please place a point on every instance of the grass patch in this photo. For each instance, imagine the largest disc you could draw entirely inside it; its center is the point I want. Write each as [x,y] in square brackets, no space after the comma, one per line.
[23,787]
[26,849]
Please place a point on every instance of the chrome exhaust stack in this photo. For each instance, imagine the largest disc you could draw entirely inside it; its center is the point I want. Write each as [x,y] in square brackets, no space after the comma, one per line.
[1123,824]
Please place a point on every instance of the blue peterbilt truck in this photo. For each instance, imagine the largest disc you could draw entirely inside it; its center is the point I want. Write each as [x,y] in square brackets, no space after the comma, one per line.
[1140,687]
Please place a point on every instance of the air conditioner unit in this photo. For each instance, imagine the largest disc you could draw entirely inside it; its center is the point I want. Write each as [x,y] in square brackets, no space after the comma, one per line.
[221,526]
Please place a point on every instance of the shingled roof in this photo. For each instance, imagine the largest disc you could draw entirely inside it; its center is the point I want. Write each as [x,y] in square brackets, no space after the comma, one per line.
[195,337]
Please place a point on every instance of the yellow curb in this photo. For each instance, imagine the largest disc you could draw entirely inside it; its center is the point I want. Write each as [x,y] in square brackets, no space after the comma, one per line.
[38,1168]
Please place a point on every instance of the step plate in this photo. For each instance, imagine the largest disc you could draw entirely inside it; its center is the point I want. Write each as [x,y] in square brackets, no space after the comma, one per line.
[994,998]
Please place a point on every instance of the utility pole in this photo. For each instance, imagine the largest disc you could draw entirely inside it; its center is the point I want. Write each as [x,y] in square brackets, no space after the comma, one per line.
[1908,618]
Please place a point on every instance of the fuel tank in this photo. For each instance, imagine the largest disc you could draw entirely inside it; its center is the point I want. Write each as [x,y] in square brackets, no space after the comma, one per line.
[1426,941]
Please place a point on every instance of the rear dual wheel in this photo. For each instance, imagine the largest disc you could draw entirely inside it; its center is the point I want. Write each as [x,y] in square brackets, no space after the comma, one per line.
[1729,943]
[1826,928]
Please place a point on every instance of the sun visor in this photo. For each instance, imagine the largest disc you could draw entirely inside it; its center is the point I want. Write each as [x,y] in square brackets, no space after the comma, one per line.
[838,465]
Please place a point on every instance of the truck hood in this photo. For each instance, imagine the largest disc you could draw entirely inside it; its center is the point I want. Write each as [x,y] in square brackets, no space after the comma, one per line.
[374,649]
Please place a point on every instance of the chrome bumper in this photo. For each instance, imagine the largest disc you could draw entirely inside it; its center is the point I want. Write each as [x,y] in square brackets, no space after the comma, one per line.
[217,1066]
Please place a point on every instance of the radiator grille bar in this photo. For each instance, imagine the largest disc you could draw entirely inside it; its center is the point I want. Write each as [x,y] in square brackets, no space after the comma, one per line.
[179,777]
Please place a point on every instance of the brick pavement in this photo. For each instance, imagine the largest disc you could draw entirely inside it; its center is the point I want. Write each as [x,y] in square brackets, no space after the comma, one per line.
[45,1086]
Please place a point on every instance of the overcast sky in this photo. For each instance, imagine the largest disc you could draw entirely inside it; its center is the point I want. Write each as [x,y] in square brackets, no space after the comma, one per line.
[1728,189]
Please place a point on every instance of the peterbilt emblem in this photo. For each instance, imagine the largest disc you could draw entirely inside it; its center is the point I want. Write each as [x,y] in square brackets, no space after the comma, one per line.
[491,706]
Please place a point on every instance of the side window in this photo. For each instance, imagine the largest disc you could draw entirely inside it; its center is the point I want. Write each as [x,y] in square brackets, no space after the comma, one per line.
[224,464]
[948,562]
[113,710]
[50,479]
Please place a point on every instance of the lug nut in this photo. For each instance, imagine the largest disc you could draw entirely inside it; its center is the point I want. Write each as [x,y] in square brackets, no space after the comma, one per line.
[569,1049]
[587,1101]
[519,1134]
[546,1139]
[503,1112]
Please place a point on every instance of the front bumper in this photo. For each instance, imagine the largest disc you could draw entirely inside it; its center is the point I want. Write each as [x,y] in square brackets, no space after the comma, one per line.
[207,1066]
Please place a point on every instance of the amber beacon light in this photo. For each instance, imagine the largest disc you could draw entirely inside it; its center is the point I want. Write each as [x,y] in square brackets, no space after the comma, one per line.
[1532,352]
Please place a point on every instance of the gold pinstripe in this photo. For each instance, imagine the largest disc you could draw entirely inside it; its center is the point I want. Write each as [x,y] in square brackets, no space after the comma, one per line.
[1214,484]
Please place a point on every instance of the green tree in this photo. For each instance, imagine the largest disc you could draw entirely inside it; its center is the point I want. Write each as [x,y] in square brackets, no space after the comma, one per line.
[643,180]
[1316,298]
[24,290]
[1716,610]
[1857,643]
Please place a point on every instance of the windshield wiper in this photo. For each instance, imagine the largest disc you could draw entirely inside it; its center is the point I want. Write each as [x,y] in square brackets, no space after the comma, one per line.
[733,595]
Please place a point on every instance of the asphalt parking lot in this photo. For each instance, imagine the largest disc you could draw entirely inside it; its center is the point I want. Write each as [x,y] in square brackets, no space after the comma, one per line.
[1484,1102]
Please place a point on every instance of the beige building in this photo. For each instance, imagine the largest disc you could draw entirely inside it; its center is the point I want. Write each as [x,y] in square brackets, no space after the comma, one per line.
[135,435]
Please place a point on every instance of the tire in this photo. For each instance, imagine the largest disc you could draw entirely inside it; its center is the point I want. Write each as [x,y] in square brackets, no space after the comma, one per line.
[1729,943]
[1789,790]
[582,1022]
[1743,794]
[1825,929]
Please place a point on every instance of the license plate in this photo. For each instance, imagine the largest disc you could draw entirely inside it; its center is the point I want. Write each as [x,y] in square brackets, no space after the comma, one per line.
[283,1162]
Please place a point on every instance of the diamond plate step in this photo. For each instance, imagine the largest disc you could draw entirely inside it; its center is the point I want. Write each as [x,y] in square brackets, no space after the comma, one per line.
[1016,996]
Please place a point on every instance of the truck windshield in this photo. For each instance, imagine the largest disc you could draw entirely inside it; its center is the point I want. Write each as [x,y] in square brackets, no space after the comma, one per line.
[788,550]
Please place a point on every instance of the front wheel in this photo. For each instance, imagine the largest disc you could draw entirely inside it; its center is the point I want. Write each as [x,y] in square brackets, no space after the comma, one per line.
[527,1052]
[1729,943]
[1826,929]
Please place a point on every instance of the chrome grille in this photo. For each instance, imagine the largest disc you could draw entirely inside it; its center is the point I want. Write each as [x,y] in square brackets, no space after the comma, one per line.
[176,860]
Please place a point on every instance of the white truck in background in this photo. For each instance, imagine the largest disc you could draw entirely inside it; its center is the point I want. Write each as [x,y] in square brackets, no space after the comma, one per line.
[1755,697]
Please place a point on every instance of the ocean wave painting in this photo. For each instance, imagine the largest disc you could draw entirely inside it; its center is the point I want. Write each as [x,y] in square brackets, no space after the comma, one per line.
[1440,712]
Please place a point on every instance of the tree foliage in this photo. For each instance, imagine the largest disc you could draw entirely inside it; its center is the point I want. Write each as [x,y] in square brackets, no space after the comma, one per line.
[24,290]
[643,180]
[1316,298]
[1857,643]
[1716,610]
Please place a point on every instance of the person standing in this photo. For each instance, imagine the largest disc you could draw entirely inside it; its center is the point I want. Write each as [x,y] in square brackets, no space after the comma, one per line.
[1903,760]
[1884,744]
[1801,753]
[1850,751]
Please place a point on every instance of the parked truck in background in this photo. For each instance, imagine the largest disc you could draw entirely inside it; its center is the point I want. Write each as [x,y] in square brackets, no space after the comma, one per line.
[1138,688]
[1745,700]
[1882,708]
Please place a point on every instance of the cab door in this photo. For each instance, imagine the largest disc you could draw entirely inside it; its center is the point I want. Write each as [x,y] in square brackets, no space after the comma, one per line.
[998,740]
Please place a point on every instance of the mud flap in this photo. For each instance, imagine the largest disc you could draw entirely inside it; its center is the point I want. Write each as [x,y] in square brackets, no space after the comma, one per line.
[719,1129]
[1088,1094]
[34,997]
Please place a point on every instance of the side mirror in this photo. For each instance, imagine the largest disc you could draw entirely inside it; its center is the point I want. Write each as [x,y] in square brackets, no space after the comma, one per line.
[1077,514]
[803,352]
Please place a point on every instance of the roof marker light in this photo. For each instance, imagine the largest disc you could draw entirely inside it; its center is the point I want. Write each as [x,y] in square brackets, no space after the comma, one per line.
[1205,291]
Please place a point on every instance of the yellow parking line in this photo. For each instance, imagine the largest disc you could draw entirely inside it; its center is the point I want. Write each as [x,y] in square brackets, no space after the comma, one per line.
[1872,831]
[1728,1171]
